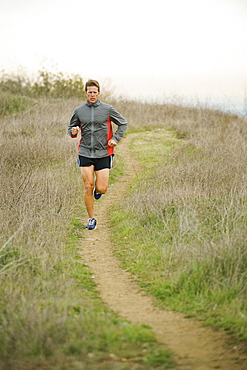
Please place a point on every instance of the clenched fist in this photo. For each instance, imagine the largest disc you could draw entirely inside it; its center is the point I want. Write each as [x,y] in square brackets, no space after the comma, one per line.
[112,143]
[75,130]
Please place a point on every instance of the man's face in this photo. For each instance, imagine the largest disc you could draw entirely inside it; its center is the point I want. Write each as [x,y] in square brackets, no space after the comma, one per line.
[92,94]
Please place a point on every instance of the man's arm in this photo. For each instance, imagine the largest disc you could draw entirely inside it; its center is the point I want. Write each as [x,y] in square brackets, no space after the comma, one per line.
[121,122]
[74,125]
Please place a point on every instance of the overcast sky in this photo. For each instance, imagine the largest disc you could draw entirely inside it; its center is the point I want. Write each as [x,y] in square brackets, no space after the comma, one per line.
[149,49]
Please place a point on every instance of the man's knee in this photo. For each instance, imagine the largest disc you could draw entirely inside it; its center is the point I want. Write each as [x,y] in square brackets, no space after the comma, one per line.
[102,188]
[88,187]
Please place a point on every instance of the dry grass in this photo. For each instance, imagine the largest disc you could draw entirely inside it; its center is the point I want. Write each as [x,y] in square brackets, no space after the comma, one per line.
[33,146]
[51,316]
[37,204]
[196,229]
[188,216]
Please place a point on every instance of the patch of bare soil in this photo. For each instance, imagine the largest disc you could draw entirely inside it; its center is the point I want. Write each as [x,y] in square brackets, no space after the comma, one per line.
[194,346]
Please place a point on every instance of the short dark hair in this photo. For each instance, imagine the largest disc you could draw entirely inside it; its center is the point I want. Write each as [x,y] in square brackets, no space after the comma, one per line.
[92,83]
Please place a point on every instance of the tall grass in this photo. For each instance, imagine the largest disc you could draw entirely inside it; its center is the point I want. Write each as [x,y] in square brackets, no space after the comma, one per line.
[184,224]
[186,219]
[51,315]
[36,205]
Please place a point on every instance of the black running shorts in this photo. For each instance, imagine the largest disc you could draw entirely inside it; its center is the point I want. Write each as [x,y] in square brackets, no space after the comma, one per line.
[98,163]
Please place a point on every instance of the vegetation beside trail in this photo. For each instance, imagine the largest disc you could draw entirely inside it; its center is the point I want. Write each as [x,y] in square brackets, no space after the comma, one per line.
[45,84]
[182,228]
[19,93]
[51,315]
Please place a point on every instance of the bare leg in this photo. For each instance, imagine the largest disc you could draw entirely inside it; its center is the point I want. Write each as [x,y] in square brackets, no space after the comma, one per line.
[88,180]
[102,179]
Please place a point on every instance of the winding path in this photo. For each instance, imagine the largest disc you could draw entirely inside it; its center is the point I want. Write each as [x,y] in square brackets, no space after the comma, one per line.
[195,347]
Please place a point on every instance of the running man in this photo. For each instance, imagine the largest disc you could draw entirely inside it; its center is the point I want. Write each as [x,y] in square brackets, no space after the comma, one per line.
[96,148]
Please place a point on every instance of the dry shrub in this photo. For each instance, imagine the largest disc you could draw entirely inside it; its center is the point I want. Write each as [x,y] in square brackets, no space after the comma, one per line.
[202,203]
[144,116]
[40,186]
[194,205]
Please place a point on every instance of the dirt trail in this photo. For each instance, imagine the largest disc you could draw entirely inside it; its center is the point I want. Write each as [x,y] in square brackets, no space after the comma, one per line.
[195,347]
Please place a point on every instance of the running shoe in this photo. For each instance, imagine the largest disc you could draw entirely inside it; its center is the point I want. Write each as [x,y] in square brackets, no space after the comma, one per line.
[92,224]
[97,195]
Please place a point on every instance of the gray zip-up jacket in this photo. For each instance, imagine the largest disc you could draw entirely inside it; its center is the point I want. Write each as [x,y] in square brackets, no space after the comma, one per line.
[95,121]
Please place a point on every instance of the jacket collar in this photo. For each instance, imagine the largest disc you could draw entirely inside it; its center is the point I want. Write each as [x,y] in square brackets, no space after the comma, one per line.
[96,104]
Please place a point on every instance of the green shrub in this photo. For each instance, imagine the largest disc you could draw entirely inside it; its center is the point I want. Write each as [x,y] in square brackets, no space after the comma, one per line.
[44,84]
[10,103]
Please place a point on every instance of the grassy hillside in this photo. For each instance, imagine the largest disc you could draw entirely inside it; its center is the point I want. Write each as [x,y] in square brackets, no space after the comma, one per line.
[184,222]
[51,315]
[185,219]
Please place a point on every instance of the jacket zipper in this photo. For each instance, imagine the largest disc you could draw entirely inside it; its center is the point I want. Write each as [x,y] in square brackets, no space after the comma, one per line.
[92,128]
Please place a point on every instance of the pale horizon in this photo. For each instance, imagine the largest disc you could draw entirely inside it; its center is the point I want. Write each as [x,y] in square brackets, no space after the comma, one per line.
[157,51]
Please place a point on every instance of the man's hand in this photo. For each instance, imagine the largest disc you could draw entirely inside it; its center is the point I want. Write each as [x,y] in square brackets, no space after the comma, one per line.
[75,130]
[112,143]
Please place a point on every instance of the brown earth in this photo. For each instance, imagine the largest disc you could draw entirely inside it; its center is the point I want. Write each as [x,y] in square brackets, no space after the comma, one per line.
[194,346]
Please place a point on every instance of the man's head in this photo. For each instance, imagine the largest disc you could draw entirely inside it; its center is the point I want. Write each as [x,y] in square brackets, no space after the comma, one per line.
[92,89]
[92,83]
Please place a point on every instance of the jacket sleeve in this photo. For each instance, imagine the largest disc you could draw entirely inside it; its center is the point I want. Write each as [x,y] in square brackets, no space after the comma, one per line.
[120,121]
[73,123]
